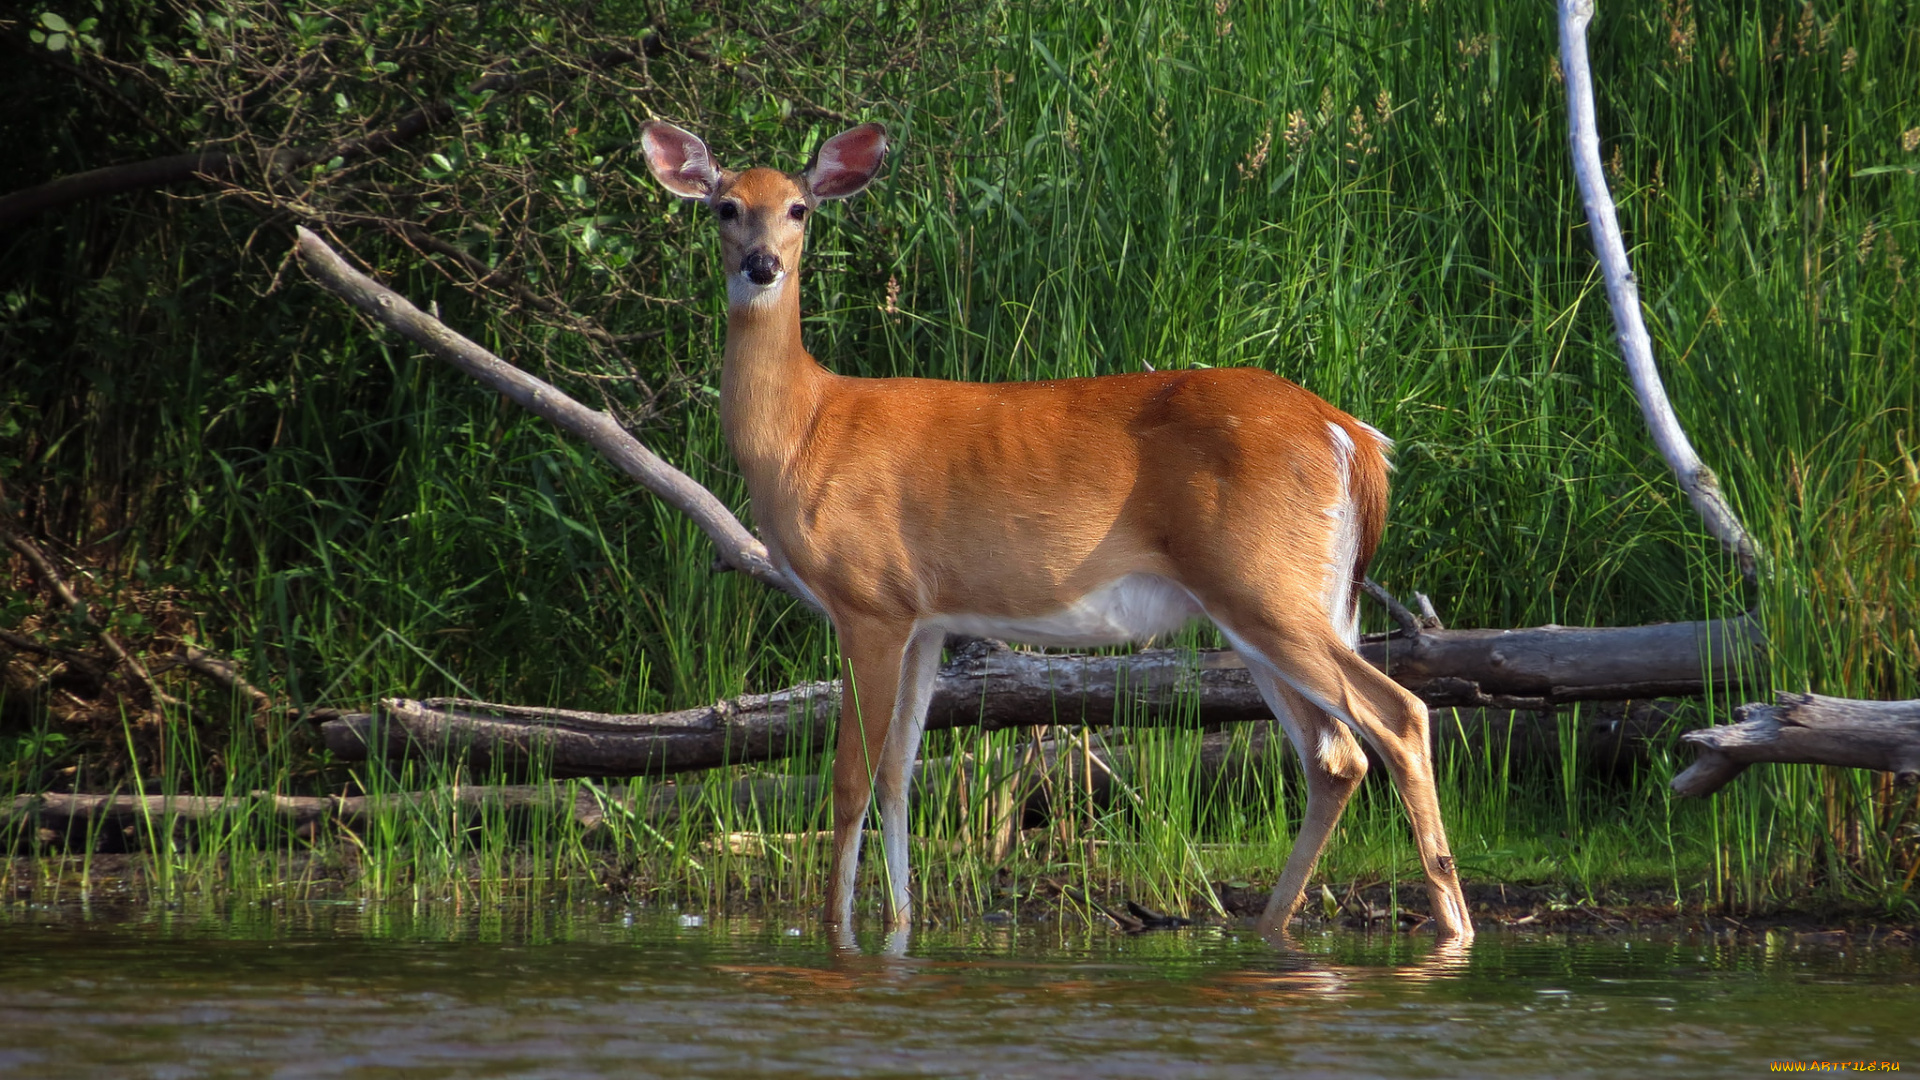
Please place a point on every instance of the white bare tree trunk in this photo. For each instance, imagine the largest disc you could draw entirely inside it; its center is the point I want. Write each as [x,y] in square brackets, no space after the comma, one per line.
[1623,293]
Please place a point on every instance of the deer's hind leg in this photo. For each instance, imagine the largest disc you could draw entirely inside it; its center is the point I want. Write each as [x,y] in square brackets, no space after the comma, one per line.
[1334,765]
[1310,657]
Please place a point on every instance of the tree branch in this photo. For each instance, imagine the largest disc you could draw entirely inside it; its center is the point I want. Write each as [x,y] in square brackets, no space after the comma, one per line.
[1807,729]
[991,687]
[738,548]
[1623,294]
[1402,618]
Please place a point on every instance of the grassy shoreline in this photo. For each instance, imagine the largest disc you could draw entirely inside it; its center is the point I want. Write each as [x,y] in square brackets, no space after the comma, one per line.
[124,883]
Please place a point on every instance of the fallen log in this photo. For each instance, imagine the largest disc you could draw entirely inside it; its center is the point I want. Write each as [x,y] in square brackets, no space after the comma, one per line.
[113,821]
[1029,787]
[991,687]
[1547,665]
[1807,729]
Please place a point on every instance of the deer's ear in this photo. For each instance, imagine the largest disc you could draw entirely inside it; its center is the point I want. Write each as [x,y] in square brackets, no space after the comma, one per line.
[679,160]
[846,163]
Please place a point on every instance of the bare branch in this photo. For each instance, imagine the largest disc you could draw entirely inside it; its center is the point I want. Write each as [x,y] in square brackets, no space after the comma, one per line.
[1429,618]
[1401,616]
[1623,294]
[221,670]
[738,548]
[991,687]
[1807,729]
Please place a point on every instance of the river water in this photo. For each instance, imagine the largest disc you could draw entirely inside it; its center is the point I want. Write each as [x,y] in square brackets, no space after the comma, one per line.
[391,991]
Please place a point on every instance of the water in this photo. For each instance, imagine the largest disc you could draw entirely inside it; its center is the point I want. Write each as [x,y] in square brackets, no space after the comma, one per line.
[342,991]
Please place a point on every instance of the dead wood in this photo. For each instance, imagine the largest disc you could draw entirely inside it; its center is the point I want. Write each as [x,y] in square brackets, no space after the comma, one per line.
[73,820]
[1623,296]
[1807,729]
[991,687]
[1545,665]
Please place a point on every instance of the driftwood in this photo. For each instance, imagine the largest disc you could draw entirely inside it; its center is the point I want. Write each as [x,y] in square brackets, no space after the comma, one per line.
[1623,296]
[1807,729]
[1611,738]
[991,687]
[1548,665]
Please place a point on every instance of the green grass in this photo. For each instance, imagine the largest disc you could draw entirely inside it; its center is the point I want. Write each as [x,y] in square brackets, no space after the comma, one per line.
[1373,200]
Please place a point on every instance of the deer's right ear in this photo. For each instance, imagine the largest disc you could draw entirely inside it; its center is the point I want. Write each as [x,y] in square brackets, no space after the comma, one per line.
[679,160]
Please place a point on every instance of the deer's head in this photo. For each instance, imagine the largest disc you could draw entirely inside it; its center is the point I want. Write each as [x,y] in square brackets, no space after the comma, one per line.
[762,212]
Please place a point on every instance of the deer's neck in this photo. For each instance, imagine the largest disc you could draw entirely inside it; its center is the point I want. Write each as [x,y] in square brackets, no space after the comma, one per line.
[769,385]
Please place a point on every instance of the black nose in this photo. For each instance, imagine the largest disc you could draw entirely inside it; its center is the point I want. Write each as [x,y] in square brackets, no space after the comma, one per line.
[761,267]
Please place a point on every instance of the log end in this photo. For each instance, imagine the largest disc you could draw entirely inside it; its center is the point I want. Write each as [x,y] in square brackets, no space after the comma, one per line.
[1711,772]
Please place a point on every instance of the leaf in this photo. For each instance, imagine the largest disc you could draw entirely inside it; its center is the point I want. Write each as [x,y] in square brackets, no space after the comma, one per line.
[56,42]
[55,22]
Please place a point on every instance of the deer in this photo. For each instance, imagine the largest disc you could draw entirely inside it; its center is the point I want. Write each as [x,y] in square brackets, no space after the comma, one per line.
[1065,512]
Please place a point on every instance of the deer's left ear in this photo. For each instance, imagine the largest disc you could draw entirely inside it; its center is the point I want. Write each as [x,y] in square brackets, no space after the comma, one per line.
[847,163]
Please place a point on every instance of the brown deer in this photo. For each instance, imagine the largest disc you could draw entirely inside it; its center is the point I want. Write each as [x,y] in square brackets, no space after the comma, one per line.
[1067,512]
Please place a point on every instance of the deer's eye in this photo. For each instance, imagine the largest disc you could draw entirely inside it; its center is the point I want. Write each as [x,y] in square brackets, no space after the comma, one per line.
[726,211]
[798,211]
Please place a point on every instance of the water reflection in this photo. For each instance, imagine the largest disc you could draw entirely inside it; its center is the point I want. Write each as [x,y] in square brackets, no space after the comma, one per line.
[569,992]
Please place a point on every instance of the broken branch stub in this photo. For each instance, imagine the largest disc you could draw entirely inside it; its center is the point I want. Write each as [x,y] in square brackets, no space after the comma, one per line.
[1807,729]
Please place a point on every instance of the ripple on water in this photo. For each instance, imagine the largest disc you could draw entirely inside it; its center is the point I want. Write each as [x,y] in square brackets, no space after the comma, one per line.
[346,992]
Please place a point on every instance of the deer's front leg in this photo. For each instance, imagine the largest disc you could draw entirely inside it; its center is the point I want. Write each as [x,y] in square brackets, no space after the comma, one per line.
[871,652]
[918,668]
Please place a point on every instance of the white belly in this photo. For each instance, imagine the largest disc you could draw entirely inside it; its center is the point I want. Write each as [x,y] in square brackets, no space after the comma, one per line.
[1134,607]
